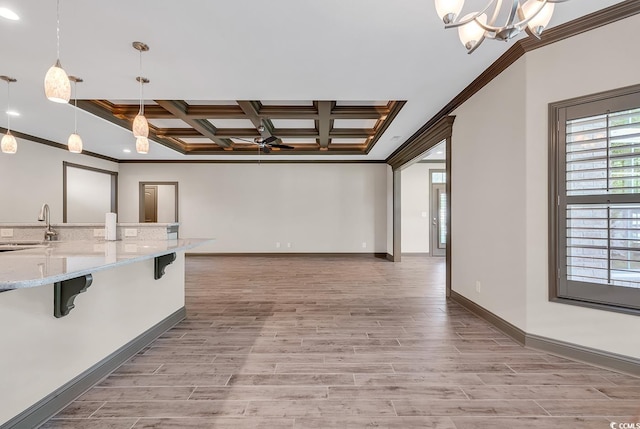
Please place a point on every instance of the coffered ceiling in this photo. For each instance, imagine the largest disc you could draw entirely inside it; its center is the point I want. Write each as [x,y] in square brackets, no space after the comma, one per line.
[297,54]
[229,127]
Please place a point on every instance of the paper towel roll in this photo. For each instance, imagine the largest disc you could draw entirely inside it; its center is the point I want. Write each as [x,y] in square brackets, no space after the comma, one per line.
[110,226]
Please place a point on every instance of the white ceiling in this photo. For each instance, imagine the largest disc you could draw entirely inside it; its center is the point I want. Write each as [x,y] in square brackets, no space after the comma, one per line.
[240,50]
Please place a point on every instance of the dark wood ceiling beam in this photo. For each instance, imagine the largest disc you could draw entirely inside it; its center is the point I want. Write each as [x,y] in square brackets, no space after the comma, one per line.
[102,109]
[249,133]
[215,112]
[359,112]
[251,110]
[177,132]
[394,110]
[310,112]
[179,110]
[324,122]
[130,111]
[296,132]
[288,112]
[347,133]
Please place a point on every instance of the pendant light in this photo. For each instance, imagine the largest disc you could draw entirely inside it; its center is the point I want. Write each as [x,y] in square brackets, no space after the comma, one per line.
[57,87]
[140,124]
[142,145]
[75,142]
[9,143]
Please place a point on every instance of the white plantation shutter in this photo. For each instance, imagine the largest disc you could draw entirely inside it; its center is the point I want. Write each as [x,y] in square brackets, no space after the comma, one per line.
[598,198]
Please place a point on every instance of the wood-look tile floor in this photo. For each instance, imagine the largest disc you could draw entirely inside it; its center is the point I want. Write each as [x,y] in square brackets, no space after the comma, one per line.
[312,342]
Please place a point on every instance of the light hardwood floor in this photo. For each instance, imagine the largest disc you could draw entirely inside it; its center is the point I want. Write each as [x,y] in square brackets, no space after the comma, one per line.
[318,342]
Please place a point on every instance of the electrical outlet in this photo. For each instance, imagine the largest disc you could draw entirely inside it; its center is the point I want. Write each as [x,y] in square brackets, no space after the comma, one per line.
[423,214]
[98,232]
[277,244]
[130,232]
[478,286]
[6,232]
[289,245]
[364,244]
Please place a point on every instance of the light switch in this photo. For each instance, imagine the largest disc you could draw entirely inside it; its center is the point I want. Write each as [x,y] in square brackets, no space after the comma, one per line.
[6,232]
[423,214]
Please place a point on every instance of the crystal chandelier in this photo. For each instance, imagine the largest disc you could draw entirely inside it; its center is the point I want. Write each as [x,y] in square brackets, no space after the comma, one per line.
[531,16]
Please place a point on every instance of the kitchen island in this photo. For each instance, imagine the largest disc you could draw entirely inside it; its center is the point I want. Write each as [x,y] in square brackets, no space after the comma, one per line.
[71,312]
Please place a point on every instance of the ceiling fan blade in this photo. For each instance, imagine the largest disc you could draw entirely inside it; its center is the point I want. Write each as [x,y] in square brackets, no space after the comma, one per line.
[270,139]
[281,146]
[266,149]
[244,140]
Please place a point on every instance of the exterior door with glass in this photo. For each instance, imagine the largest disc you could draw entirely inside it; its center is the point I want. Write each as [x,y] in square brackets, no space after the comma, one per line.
[438,233]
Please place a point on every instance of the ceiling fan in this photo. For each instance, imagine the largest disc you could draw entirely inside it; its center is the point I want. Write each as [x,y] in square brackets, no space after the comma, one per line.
[265,144]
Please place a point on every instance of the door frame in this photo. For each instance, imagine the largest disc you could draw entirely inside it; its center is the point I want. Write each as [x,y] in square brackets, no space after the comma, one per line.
[409,153]
[433,213]
[141,186]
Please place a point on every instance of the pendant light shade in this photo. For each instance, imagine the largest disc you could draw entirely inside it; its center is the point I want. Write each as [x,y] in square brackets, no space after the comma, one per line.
[142,145]
[75,143]
[448,10]
[540,13]
[140,126]
[57,87]
[9,143]
[471,33]
[500,20]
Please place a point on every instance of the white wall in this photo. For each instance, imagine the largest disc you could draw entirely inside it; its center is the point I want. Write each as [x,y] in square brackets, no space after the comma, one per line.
[575,73]
[488,203]
[166,203]
[88,195]
[416,197]
[33,176]
[250,207]
[500,182]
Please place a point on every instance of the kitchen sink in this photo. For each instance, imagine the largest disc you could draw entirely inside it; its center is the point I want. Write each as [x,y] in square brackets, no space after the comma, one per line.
[7,246]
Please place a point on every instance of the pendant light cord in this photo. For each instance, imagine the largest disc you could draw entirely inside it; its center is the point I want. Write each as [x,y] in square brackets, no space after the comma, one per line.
[141,87]
[8,107]
[58,27]
[75,112]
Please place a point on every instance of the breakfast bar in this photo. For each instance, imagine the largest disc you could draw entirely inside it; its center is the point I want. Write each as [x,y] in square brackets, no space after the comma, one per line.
[73,311]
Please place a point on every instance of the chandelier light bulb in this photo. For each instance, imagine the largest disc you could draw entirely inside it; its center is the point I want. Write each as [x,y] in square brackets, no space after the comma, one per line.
[75,143]
[140,126]
[448,10]
[499,20]
[142,145]
[9,143]
[540,21]
[472,33]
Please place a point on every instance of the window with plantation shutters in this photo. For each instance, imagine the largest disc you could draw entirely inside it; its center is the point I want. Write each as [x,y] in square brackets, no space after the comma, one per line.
[595,200]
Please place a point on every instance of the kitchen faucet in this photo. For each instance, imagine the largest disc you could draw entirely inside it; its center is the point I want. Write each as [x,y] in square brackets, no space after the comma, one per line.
[49,234]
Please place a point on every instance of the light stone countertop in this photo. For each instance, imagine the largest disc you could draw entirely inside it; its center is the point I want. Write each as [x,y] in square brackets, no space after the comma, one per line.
[84,225]
[56,261]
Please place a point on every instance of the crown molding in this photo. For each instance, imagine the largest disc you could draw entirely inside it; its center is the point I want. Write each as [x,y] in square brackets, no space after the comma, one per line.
[561,32]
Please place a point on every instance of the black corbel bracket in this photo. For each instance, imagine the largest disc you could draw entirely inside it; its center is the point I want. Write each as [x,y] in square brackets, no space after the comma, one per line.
[161,263]
[65,292]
